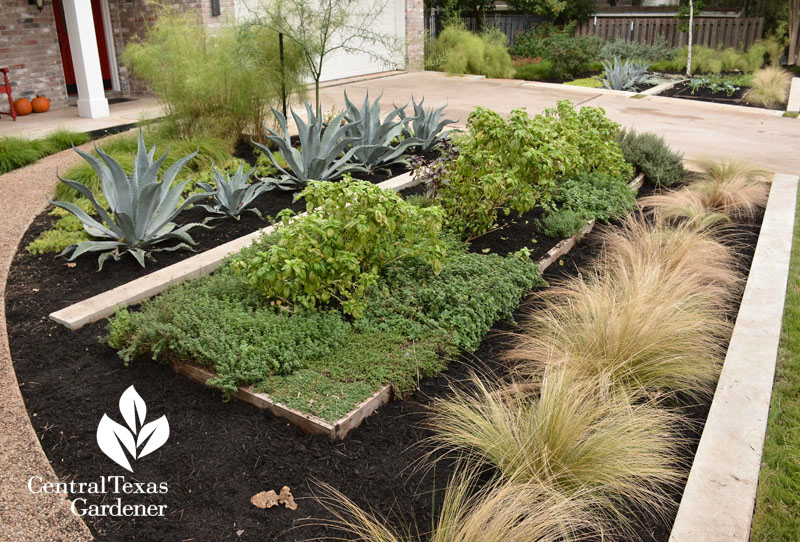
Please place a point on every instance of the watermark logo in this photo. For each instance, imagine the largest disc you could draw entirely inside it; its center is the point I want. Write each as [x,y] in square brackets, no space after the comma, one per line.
[138,438]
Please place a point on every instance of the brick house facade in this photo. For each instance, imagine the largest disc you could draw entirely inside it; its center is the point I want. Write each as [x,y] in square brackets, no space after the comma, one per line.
[29,41]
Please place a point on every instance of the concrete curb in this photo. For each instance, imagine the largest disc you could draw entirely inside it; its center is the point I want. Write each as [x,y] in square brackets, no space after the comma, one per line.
[658,89]
[106,303]
[717,504]
[793,106]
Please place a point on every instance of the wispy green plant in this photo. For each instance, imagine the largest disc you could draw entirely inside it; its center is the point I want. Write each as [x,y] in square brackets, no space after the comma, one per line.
[461,51]
[731,186]
[769,87]
[569,437]
[62,139]
[16,152]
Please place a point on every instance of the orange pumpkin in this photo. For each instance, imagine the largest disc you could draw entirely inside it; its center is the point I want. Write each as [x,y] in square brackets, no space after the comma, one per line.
[23,106]
[40,104]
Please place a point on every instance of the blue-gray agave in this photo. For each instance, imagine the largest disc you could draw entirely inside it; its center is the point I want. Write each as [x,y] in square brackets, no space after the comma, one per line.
[375,137]
[322,156]
[232,194]
[624,75]
[425,125]
[140,211]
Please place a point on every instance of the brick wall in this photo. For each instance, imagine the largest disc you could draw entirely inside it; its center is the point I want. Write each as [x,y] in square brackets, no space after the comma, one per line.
[29,48]
[415,34]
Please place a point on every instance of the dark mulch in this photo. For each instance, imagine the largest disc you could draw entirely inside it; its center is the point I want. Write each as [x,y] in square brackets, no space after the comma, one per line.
[705,94]
[220,454]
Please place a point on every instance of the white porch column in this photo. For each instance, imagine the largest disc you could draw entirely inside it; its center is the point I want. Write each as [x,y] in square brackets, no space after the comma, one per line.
[92,101]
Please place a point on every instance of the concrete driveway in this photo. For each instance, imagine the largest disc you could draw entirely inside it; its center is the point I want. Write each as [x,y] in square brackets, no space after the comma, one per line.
[695,128]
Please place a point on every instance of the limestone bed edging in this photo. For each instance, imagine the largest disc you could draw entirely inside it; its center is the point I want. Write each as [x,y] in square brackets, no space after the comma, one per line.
[718,501]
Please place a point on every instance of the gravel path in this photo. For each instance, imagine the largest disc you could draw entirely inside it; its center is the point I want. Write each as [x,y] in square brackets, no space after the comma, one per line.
[25,516]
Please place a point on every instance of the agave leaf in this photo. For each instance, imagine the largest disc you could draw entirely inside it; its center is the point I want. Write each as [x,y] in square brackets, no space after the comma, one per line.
[85,219]
[104,174]
[121,190]
[89,246]
[87,193]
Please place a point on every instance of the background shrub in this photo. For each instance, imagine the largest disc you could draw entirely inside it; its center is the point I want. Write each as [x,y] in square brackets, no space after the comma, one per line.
[632,50]
[709,60]
[459,51]
[596,196]
[219,83]
[570,55]
[536,71]
[650,154]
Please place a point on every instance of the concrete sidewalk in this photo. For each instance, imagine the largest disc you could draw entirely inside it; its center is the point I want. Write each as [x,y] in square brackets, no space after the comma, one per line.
[695,128]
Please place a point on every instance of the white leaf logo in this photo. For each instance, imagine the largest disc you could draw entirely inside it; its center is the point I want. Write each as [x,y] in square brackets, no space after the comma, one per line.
[115,439]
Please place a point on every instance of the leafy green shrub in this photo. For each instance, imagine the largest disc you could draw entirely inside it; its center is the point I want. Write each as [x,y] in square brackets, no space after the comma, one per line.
[460,51]
[505,165]
[209,150]
[570,55]
[219,84]
[353,229]
[632,50]
[650,154]
[596,196]
[538,71]
[563,223]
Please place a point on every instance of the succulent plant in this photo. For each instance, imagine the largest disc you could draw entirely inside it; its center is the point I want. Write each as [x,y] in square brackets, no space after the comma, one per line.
[322,156]
[232,194]
[375,137]
[623,75]
[425,125]
[141,209]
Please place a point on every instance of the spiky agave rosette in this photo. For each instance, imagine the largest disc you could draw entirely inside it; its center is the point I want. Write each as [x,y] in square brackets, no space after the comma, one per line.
[141,209]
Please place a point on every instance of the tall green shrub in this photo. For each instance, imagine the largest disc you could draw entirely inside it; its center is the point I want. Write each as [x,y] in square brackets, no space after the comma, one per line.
[460,51]
[219,84]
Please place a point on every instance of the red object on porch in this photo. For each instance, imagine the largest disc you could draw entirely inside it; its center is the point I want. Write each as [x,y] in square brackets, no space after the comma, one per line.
[6,87]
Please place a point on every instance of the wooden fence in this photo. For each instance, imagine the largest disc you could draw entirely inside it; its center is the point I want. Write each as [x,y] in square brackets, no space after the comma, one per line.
[711,31]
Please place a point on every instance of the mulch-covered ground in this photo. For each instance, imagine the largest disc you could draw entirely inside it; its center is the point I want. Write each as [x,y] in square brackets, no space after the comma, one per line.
[220,454]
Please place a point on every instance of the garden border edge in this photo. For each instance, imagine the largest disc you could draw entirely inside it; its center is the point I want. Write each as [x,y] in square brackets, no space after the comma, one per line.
[718,501]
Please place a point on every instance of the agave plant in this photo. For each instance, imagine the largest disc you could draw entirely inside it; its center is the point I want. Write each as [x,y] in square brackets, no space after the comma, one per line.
[425,125]
[141,209]
[375,137]
[623,75]
[232,194]
[322,156]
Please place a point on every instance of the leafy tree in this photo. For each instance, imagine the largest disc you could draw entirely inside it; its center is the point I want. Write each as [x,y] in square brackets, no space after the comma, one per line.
[321,27]
[561,11]
[686,14]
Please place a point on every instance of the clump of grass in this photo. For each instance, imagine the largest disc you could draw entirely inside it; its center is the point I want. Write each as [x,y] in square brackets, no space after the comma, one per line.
[570,437]
[642,330]
[16,152]
[499,511]
[682,249]
[682,207]
[732,186]
[769,87]
[62,139]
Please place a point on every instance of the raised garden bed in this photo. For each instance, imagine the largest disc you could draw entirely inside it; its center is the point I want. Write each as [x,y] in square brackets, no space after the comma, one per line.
[209,492]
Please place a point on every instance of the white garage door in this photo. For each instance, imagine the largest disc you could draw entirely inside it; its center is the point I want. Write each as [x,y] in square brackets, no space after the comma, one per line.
[340,64]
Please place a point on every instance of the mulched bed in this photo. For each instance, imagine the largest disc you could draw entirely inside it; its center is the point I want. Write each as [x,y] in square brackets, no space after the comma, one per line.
[705,94]
[220,454]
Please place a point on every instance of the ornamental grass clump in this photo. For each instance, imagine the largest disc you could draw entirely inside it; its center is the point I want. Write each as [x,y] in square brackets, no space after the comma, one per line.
[568,436]
[497,511]
[732,187]
[682,207]
[769,87]
[641,330]
[352,230]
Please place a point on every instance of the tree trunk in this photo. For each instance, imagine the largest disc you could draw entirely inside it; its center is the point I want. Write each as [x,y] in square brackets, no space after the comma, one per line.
[691,28]
[480,16]
[794,32]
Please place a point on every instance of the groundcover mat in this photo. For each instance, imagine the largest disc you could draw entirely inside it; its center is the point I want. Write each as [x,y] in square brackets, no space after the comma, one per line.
[220,454]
